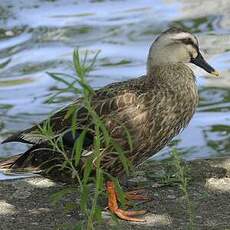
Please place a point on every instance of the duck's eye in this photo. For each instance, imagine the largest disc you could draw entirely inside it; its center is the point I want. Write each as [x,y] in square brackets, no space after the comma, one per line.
[187,41]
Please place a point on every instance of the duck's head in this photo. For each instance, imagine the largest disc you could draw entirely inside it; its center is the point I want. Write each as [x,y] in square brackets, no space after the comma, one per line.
[177,46]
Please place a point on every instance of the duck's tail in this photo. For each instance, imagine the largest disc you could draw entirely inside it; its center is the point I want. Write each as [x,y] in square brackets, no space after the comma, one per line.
[24,162]
[6,164]
[33,160]
[39,160]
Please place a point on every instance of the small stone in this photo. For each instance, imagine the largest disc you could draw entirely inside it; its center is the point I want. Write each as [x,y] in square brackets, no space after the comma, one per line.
[44,209]
[138,179]
[171,196]
[105,215]
[9,33]
[156,185]
[20,194]
[155,194]
[6,208]
[34,223]
[41,182]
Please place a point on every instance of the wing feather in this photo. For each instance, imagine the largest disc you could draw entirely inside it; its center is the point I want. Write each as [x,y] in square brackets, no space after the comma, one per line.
[107,101]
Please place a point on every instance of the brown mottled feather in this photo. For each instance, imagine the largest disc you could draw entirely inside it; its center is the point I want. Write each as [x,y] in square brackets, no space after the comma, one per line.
[154,109]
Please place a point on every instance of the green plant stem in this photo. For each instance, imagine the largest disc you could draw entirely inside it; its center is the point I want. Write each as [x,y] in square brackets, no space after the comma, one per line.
[102,140]
[182,177]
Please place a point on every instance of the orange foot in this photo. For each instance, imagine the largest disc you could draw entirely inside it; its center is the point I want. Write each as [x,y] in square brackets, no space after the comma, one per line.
[113,205]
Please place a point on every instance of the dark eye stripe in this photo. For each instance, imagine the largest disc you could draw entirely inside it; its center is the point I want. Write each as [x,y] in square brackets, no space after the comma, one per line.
[189,41]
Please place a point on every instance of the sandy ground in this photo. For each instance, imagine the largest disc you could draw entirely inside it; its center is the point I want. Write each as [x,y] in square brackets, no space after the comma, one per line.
[25,203]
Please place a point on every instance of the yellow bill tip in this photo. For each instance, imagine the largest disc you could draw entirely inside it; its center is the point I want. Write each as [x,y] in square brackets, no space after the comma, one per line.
[215,73]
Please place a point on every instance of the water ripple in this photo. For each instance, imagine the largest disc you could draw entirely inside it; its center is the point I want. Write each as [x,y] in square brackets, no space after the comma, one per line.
[38,36]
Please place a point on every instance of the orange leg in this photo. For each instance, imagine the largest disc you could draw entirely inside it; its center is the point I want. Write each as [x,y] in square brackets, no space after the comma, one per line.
[113,205]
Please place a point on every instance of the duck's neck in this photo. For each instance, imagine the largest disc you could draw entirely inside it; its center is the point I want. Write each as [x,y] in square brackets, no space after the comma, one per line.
[171,74]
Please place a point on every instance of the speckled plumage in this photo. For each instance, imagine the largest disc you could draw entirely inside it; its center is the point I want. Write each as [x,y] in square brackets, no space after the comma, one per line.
[154,108]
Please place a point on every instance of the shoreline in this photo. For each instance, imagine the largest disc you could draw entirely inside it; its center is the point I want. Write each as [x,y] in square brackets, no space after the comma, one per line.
[25,203]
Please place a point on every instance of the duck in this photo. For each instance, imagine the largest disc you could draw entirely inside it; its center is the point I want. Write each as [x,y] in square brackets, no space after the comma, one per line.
[154,108]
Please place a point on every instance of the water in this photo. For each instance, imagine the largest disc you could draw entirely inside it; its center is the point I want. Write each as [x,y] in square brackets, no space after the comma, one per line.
[39,36]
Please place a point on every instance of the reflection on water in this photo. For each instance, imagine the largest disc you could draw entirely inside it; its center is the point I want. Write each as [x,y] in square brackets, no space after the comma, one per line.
[39,36]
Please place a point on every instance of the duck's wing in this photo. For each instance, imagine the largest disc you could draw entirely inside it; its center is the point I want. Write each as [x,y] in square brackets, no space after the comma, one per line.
[33,135]
[106,101]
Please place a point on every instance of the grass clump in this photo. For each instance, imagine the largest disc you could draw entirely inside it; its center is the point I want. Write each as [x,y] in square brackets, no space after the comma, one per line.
[174,172]
[91,169]
[182,176]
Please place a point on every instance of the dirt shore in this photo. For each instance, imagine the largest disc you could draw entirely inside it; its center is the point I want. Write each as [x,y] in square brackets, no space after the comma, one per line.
[25,203]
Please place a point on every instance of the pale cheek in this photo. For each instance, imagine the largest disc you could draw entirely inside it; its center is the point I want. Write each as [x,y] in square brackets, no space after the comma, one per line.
[192,51]
[194,54]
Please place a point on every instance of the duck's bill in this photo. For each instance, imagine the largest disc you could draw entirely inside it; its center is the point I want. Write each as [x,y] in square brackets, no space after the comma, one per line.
[199,61]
